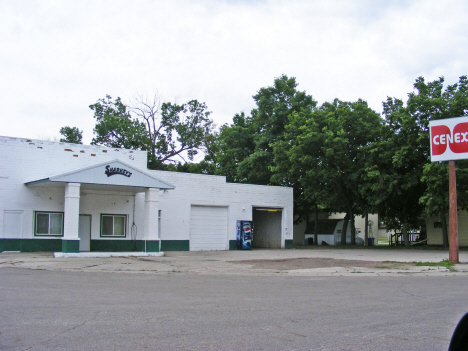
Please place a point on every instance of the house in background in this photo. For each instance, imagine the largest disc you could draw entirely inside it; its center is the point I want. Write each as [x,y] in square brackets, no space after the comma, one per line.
[434,229]
[327,226]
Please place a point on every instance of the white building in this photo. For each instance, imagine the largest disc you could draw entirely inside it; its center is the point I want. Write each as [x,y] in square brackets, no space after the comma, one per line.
[434,229]
[70,197]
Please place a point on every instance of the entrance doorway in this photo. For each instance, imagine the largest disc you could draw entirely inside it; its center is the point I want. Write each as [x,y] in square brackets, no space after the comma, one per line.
[267,228]
[84,232]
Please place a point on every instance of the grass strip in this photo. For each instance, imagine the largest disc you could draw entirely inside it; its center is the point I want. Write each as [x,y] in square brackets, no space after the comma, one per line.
[444,263]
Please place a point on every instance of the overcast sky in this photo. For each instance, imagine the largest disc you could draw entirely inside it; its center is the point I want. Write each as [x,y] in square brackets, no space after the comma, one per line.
[58,57]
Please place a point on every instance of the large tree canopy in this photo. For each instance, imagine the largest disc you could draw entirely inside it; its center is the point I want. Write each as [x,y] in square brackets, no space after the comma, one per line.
[169,132]
[398,174]
[324,153]
[115,127]
[341,156]
[245,153]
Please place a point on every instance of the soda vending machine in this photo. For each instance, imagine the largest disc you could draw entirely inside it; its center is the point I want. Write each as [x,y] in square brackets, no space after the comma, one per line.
[244,235]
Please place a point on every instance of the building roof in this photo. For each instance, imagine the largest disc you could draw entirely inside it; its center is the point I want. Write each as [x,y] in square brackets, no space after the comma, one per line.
[113,173]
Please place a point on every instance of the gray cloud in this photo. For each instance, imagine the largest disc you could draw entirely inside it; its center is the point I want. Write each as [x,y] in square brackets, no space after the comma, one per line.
[59,57]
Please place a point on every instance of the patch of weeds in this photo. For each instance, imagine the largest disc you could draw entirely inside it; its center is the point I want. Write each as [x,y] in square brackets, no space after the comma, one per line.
[383,267]
[444,263]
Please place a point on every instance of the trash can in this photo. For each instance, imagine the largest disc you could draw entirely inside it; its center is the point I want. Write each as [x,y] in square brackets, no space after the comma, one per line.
[310,241]
[370,241]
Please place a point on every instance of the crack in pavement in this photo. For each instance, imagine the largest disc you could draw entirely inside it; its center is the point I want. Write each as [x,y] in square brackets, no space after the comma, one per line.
[64,332]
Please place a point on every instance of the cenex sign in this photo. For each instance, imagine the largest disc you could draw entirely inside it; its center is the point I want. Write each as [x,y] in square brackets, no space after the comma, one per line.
[449,142]
[449,139]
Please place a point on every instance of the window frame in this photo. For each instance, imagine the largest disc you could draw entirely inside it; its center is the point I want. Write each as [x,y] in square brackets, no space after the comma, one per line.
[48,213]
[113,215]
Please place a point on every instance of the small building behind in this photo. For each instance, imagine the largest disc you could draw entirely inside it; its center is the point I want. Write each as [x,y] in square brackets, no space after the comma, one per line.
[434,229]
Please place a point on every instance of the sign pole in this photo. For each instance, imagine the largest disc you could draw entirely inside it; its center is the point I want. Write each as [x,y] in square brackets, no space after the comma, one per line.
[453,216]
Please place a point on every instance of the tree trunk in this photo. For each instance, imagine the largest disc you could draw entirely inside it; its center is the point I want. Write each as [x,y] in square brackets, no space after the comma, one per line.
[366,231]
[353,228]
[344,229]
[443,221]
[405,234]
[316,226]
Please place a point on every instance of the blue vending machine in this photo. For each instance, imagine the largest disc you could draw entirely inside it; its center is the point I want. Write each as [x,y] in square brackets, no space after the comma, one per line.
[244,235]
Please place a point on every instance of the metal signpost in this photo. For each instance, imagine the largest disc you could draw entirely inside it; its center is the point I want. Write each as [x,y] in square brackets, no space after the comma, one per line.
[449,142]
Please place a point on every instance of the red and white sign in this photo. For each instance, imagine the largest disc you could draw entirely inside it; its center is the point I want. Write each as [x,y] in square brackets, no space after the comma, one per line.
[449,139]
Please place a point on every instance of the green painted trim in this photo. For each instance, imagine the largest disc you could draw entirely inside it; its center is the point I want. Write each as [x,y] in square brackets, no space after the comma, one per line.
[152,246]
[175,245]
[31,245]
[288,244]
[232,244]
[70,246]
[113,245]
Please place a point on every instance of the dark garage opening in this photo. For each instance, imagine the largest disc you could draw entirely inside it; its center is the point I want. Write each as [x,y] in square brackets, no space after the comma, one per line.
[267,228]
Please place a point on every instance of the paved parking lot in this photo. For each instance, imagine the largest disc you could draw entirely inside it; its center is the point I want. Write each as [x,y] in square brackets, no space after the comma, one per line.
[230,301]
[314,262]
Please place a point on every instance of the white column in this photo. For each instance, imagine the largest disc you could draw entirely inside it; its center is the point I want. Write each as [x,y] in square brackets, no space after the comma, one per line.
[71,211]
[151,214]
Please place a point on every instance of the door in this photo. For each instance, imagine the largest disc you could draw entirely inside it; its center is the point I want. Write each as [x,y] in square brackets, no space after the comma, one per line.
[267,223]
[84,232]
[208,228]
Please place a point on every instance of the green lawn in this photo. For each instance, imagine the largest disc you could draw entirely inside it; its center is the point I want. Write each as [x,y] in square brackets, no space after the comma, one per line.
[383,240]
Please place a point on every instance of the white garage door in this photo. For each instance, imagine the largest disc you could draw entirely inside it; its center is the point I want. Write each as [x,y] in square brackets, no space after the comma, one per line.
[208,228]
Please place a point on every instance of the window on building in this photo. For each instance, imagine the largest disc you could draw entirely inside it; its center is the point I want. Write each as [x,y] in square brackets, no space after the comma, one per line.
[113,225]
[49,224]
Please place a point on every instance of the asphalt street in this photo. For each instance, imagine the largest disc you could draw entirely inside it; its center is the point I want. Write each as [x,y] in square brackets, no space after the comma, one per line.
[51,309]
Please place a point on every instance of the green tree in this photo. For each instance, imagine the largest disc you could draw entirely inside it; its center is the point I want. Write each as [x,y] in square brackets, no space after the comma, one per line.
[71,135]
[403,156]
[244,149]
[269,119]
[234,144]
[397,178]
[116,128]
[433,102]
[436,196]
[169,132]
[245,153]
[185,128]
[324,151]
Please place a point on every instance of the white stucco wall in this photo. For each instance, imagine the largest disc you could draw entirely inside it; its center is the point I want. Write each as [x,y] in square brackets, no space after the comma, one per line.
[25,160]
[207,190]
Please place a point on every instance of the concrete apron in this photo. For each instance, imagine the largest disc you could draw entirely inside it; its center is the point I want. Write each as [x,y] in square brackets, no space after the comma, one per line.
[107,254]
[243,263]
